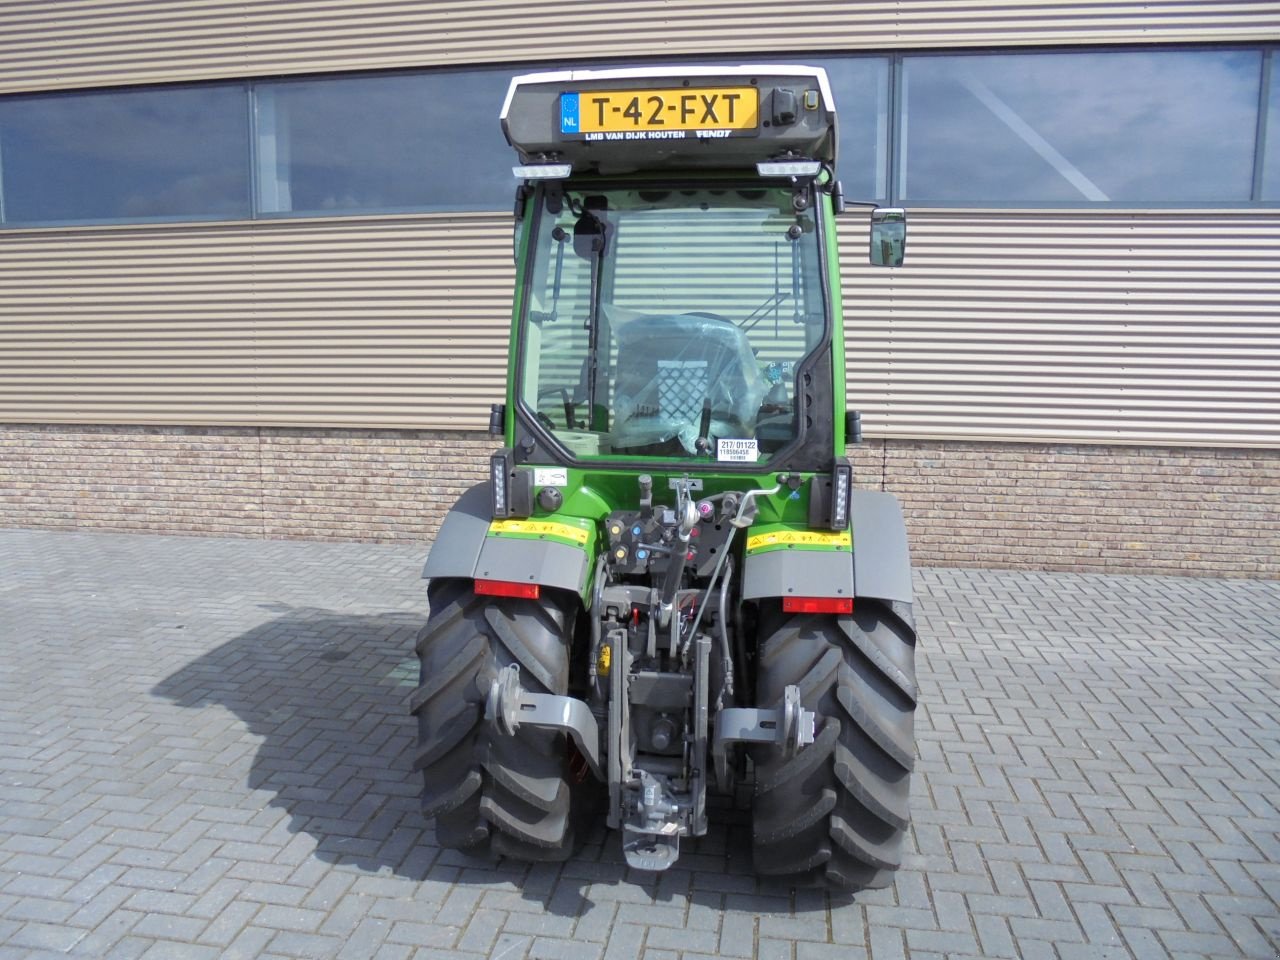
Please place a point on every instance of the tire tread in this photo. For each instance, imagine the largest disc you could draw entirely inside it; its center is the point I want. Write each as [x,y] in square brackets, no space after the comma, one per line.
[837,812]
[490,794]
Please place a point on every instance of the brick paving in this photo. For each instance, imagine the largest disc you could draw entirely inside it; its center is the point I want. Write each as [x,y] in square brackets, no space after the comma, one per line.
[204,753]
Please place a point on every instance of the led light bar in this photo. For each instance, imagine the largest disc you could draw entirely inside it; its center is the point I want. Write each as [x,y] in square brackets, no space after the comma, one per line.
[817,604]
[499,490]
[841,484]
[508,588]
[542,171]
[788,168]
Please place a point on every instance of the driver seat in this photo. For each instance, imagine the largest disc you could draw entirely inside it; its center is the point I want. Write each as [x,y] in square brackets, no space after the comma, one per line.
[671,366]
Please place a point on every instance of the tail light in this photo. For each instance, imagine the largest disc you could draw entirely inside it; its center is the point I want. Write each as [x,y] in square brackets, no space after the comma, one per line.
[817,604]
[508,588]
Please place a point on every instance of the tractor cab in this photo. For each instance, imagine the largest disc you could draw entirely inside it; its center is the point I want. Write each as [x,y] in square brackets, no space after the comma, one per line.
[669,586]
[676,268]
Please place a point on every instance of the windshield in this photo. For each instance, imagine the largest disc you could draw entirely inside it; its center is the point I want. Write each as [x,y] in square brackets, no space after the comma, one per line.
[671,323]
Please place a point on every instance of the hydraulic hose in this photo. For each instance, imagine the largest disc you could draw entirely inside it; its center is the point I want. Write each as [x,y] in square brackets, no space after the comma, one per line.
[741,520]
[679,555]
[597,593]
[726,686]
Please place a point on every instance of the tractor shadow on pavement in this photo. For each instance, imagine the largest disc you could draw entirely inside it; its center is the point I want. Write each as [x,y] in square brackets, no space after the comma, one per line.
[327,693]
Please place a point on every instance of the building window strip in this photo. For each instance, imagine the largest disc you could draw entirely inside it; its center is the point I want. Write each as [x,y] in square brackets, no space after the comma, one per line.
[416,141]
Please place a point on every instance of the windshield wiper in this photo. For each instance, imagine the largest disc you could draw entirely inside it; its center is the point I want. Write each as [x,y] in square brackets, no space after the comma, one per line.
[590,240]
[559,236]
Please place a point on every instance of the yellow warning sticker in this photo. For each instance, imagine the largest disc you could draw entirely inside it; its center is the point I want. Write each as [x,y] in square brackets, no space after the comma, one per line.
[800,538]
[540,528]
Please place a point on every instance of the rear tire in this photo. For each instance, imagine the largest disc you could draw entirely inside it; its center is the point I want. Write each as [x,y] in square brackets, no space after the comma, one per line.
[836,813]
[492,795]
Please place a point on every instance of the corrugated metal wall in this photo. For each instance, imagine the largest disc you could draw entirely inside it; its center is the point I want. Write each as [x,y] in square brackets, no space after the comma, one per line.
[101,42]
[1154,327]
[1078,326]
[399,322]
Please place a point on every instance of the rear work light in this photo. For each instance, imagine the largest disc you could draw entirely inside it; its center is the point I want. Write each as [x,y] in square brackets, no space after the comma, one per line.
[788,168]
[542,171]
[508,588]
[817,604]
[841,484]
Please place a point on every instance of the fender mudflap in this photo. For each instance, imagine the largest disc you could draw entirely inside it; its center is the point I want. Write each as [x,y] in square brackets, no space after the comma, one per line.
[881,558]
[457,546]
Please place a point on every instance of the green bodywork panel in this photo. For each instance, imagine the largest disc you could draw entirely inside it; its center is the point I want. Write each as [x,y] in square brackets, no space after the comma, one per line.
[591,495]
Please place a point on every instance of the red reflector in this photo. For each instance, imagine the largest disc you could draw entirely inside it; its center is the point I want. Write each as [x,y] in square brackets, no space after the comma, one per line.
[506,588]
[817,604]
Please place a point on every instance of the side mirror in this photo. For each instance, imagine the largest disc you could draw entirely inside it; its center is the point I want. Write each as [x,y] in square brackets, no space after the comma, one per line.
[588,236]
[852,426]
[888,236]
[590,232]
[837,198]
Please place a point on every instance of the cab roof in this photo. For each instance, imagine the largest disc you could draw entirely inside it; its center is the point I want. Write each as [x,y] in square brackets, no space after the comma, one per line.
[675,117]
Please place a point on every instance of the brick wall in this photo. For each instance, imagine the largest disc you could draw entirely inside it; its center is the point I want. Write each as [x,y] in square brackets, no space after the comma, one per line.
[222,481]
[161,479]
[366,484]
[1026,506]
[1038,506]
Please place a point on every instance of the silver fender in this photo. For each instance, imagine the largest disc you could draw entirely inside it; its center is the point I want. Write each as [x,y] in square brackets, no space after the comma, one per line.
[881,565]
[463,548]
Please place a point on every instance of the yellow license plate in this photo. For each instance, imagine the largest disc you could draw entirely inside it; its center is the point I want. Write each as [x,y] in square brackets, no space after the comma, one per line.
[676,110]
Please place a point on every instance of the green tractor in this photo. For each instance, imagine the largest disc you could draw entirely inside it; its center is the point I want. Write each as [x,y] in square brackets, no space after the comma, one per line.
[668,586]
